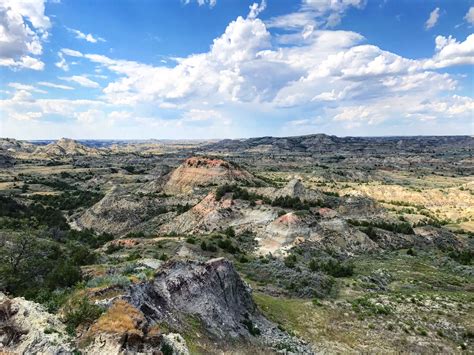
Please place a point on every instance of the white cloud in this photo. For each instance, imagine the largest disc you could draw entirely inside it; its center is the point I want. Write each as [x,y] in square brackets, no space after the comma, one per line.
[23,106]
[406,108]
[211,3]
[26,116]
[204,116]
[294,20]
[25,62]
[89,116]
[450,52]
[432,19]
[470,16]
[256,9]
[31,88]
[316,13]
[117,116]
[55,86]
[89,37]
[330,74]
[62,63]
[70,52]
[23,28]
[81,80]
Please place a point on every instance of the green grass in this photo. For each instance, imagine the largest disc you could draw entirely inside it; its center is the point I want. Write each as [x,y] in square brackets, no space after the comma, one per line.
[420,273]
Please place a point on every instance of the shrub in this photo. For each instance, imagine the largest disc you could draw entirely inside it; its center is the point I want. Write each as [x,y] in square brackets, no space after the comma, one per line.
[69,200]
[226,244]
[364,305]
[183,208]
[252,328]
[229,232]
[112,248]
[109,280]
[79,311]
[243,259]
[404,227]
[290,261]
[411,252]
[166,349]
[238,193]
[371,233]
[332,267]
[63,275]
[464,257]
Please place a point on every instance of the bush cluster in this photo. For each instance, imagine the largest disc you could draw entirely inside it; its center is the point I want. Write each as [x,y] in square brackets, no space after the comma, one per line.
[294,203]
[332,267]
[238,193]
[403,227]
[69,200]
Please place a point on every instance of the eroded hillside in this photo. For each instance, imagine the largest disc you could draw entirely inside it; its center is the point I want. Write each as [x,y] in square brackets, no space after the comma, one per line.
[299,245]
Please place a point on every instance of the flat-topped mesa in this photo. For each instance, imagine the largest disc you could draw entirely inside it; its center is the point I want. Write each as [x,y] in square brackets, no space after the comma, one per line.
[196,162]
[197,172]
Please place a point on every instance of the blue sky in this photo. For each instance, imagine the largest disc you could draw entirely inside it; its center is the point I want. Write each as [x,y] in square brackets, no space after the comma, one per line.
[234,68]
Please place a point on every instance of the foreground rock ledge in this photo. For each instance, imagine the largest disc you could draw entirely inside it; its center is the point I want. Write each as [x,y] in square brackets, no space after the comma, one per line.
[190,297]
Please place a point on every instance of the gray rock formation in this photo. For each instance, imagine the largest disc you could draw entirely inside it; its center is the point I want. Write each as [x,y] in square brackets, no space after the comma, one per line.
[26,328]
[213,293]
[66,147]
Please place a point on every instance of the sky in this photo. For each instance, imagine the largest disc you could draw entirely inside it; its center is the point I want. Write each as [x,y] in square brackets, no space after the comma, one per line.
[187,69]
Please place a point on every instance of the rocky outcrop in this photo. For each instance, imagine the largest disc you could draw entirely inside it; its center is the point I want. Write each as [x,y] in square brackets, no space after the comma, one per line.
[121,212]
[295,189]
[197,172]
[207,215]
[66,147]
[283,233]
[437,237]
[26,328]
[16,146]
[211,291]
[6,160]
[211,215]
[213,294]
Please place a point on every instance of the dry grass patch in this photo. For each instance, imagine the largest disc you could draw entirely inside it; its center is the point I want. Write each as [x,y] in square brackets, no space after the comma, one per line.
[120,318]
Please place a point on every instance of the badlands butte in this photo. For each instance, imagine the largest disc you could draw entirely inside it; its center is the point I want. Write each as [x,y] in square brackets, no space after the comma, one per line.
[294,245]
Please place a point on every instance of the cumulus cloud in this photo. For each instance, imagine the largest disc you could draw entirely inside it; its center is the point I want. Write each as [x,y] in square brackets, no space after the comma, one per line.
[244,67]
[331,74]
[432,19]
[470,16]
[89,37]
[23,28]
[450,52]
[81,80]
